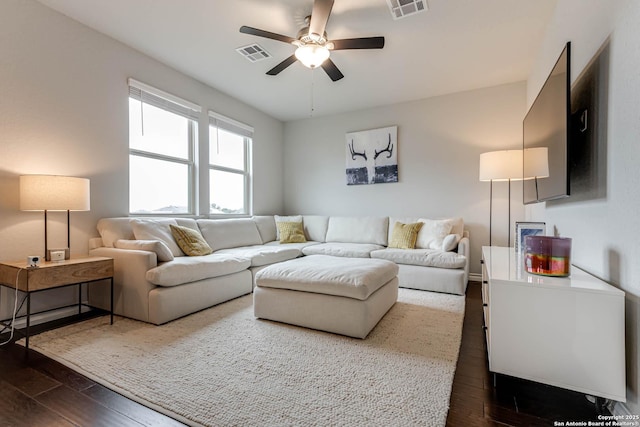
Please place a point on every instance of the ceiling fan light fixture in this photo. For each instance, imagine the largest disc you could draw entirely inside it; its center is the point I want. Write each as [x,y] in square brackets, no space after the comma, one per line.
[312,55]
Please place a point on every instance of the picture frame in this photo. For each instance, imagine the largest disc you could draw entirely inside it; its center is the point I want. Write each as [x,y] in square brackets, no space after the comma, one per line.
[372,156]
[524,229]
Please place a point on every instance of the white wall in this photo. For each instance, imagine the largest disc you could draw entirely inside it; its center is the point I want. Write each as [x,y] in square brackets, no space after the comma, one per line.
[64,111]
[440,140]
[605,230]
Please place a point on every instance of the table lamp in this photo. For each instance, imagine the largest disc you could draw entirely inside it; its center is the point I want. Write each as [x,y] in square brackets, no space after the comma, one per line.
[54,193]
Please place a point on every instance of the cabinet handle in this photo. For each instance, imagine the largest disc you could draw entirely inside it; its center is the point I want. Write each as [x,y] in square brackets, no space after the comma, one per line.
[481,261]
[485,305]
[484,328]
[485,282]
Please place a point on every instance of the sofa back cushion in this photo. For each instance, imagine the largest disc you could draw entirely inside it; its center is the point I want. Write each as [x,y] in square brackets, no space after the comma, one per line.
[358,230]
[315,227]
[156,229]
[114,229]
[426,236]
[266,227]
[229,233]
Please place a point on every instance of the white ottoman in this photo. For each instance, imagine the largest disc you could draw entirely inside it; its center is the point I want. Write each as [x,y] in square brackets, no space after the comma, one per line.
[346,296]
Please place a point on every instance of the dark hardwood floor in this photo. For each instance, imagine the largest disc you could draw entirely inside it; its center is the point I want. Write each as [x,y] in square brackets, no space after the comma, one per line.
[37,391]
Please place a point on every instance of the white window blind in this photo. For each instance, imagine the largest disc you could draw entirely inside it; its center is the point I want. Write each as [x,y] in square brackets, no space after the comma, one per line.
[221,122]
[166,101]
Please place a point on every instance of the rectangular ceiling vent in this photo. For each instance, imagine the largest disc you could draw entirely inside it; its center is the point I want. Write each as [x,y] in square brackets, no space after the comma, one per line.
[253,52]
[403,8]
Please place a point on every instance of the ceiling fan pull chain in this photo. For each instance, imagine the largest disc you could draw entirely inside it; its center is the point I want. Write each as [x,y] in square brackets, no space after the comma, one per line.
[313,72]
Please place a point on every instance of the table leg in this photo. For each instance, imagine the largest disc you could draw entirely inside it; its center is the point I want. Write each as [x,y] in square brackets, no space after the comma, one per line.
[79,298]
[28,319]
[112,300]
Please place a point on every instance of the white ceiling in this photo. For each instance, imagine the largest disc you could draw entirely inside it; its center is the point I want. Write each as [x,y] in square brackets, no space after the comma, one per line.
[456,45]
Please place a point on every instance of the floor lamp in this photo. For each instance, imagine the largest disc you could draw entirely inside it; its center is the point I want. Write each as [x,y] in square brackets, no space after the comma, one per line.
[54,193]
[504,165]
[536,165]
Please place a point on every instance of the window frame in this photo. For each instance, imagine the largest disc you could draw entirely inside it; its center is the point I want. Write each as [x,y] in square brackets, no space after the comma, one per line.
[218,121]
[144,93]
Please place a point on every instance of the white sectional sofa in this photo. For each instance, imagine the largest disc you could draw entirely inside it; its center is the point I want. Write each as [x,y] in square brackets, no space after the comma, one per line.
[156,286]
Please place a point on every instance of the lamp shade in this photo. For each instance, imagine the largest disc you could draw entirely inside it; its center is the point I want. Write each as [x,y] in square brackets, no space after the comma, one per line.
[501,165]
[54,193]
[536,162]
[312,55]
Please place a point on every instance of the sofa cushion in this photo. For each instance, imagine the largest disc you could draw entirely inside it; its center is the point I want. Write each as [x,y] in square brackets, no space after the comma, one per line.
[264,254]
[114,229]
[404,235]
[291,232]
[290,218]
[449,243]
[422,257]
[299,246]
[315,227]
[266,227]
[156,229]
[163,253]
[229,233]
[319,274]
[190,269]
[190,241]
[350,250]
[358,230]
[432,233]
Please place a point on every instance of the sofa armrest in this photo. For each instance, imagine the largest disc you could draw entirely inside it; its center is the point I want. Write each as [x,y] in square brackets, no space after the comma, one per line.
[130,286]
[464,249]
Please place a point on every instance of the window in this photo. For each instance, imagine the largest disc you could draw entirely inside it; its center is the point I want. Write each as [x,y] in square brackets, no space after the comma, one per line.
[162,143]
[229,165]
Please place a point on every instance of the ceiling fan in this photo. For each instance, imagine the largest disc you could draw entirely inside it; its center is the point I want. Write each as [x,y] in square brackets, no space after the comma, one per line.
[313,45]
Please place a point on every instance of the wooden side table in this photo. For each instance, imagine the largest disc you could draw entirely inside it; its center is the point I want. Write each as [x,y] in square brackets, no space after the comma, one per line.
[53,275]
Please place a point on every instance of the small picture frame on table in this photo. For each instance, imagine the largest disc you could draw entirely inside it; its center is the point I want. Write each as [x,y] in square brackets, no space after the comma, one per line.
[524,229]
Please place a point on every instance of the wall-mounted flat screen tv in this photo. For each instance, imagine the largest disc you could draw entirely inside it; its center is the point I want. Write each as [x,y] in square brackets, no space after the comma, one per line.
[546,133]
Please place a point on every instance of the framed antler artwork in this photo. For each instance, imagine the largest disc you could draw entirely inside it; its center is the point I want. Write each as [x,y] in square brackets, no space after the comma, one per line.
[372,156]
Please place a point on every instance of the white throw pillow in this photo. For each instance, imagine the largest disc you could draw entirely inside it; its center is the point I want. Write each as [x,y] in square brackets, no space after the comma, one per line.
[450,242]
[432,233]
[162,251]
[147,229]
[291,218]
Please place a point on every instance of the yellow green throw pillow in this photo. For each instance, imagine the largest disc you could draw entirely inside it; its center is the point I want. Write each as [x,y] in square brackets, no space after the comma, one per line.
[291,232]
[404,236]
[190,241]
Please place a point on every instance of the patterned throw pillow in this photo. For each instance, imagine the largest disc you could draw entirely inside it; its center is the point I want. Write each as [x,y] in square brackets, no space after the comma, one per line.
[190,241]
[404,236]
[291,232]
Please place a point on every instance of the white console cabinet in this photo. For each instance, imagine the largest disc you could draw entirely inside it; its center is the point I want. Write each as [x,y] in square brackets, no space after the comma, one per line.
[567,332]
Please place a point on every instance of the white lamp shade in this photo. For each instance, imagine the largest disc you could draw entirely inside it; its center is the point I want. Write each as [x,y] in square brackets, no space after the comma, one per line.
[536,163]
[54,193]
[312,55]
[501,165]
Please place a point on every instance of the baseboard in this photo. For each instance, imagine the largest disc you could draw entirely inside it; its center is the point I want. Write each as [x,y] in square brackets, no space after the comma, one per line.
[475,277]
[60,313]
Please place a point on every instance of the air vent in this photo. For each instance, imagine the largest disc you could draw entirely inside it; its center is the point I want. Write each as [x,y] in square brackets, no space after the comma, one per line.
[403,8]
[253,52]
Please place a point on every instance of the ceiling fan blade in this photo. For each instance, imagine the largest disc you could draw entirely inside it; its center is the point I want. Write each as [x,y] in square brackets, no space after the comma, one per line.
[320,16]
[281,66]
[359,43]
[267,34]
[332,71]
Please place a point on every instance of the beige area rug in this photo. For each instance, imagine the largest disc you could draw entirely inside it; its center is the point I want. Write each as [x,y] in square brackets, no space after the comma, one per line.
[223,367]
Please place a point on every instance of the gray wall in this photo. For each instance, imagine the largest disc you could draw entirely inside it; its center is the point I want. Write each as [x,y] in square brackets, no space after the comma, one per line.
[604,229]
[64,111]
[440,140]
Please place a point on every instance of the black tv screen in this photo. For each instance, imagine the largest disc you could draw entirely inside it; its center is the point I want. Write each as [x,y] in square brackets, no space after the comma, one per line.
[546,136]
